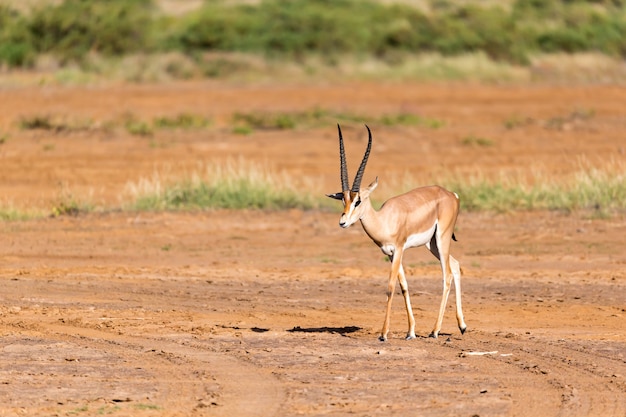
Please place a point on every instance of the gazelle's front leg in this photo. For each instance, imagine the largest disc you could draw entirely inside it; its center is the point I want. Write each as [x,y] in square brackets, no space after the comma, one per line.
[407,302]
[396,264]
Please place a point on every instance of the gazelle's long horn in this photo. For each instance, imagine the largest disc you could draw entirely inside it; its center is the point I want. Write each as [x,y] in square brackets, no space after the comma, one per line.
[344,168]
[356,185]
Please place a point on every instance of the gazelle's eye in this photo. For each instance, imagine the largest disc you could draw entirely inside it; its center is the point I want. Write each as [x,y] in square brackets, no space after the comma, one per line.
[356,204]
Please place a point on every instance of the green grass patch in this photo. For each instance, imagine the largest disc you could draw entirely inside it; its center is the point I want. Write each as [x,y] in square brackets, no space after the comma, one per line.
[236,185]
[243,123]
[245,186]
[242,130]
[240,184]
[602,191]
[108,410]
[10,213]
[79,410]
[516,121]
[65,204]
[137,127]
[143,406]
[130,122]
[70,206]
[246,123]
[184,121]
[181,121]
[479,141]
[268,120]
[409,119]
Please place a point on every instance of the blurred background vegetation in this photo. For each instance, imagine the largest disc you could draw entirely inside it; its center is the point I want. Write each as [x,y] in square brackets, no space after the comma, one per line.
[211,38]
[152,40]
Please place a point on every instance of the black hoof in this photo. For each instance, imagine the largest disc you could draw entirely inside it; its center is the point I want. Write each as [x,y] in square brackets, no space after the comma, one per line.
[382,338]
[432,335]
[463,330]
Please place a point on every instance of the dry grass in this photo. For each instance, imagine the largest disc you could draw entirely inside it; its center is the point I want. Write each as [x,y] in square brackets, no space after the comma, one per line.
[600,189]
[250,68]
[236,184]
[579,68]
[240,184]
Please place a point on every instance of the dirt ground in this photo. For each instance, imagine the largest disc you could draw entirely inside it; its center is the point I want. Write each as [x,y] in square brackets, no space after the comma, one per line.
[253,313]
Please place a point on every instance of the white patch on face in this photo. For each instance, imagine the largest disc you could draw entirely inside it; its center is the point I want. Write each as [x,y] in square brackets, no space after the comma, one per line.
[420,239]
[349,216]
[353,205]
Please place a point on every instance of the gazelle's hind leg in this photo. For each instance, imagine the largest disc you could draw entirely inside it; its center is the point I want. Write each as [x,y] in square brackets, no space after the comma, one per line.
[456,272]
[450,269]
[447,283]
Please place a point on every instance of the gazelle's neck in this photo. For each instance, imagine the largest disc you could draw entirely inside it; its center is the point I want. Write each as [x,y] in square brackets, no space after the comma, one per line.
[373,224]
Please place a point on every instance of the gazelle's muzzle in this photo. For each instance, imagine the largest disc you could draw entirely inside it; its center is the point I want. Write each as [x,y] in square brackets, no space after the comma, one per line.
[343,221]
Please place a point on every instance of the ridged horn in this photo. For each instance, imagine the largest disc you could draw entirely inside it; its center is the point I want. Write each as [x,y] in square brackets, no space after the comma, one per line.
[345,185]
[356,185]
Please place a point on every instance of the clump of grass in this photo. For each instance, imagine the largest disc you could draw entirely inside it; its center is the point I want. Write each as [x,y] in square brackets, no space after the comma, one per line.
[516,121]
[143,406]
[480,141]
[181,121]
[575,118]
[242,123]
[138,127]
[242,130]
[409,119]
[246,123]
[35,122]
[235,185]
[9,213]
[55,124]
[186,121]
[133,124]
[268,120]
[602,190]
[70,206]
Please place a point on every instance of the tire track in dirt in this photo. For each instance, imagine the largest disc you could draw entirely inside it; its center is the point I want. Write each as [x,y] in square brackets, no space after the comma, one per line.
[188,379]
[588,383]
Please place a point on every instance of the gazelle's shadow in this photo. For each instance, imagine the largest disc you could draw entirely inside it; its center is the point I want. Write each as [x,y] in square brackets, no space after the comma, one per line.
[343,331]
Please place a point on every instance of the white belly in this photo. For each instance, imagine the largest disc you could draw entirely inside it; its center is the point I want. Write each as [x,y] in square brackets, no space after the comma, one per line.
[421,238]
[413,241]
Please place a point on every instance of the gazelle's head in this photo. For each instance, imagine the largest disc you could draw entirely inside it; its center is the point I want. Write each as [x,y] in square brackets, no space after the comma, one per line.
[355,200]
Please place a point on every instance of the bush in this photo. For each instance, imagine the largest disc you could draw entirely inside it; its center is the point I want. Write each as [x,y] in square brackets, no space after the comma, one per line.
[15,41]
[278,27]
[74,28]
[288,29]
[473,28]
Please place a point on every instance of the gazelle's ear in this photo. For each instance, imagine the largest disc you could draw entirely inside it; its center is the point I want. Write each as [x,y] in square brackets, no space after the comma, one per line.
[336,196]
[373,185]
